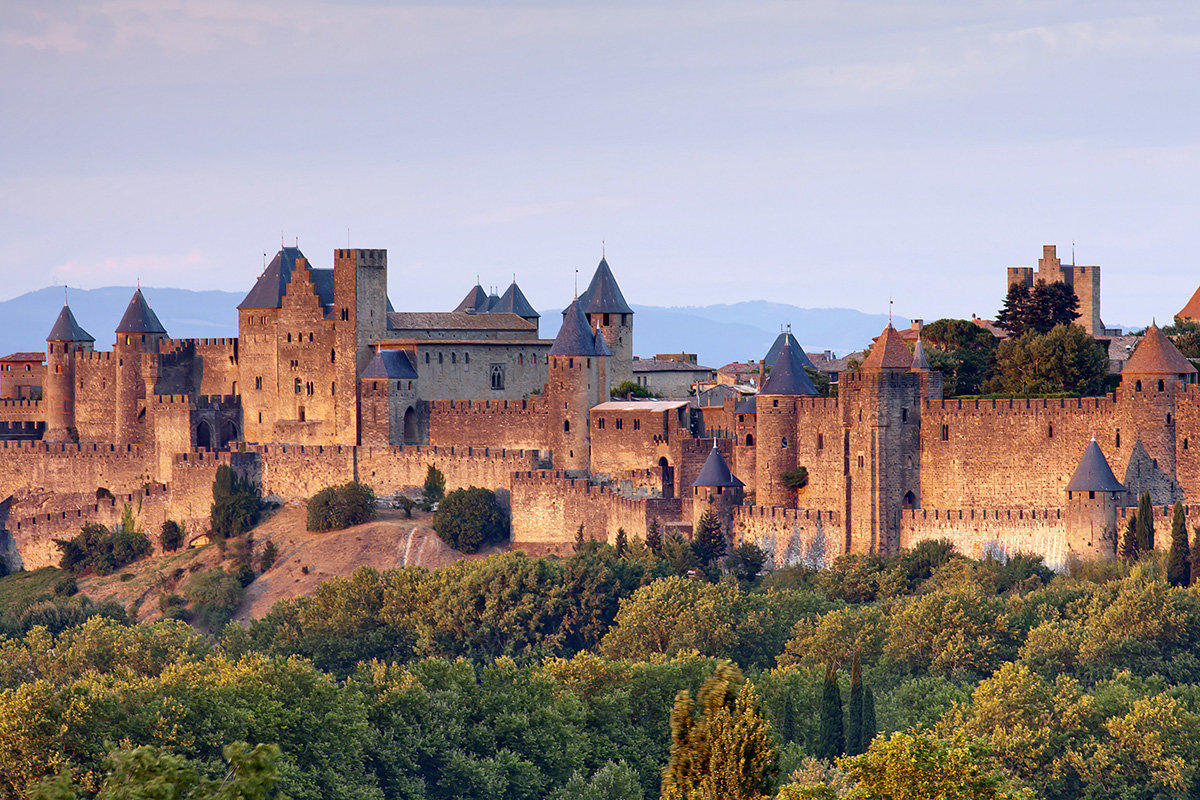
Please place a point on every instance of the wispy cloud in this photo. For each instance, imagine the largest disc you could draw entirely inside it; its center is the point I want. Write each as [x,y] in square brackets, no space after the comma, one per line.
[147,267]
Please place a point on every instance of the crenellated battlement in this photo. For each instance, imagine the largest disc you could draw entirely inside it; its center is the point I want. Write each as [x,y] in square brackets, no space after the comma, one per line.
[980,514]
[465,407]
[785,515]
[1039,405]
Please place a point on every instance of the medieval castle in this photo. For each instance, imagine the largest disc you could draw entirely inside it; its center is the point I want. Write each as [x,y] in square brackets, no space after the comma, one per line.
[326,383]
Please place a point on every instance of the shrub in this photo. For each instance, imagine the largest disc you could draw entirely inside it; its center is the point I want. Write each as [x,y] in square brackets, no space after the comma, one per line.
[268,557]
[337,507]
[171,536]
[244,574]
[469,519]
[435,486]
[101,550]
[631,389]
[173,606]
[796,478]
[235,506]
[407,504]
[64,586]
[214,594]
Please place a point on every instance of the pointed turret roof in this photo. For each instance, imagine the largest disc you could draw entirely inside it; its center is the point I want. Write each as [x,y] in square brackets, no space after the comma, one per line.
[889,353]
[389,364]
[920,363]
[513,302]
[575,337]
[602,295]
[476,300]
[797,350]
[66,329]
[139,317]
[1191,311]
[1157,355]
[601,345]
[788,377]
[715,471]
[1093,473]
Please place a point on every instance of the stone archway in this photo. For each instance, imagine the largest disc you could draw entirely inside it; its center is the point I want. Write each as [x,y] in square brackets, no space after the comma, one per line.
[229,433]
[204,437]
[909,501]
[410,426]
[668,478]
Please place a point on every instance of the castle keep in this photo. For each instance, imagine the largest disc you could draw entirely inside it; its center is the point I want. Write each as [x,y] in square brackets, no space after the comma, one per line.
[327,383]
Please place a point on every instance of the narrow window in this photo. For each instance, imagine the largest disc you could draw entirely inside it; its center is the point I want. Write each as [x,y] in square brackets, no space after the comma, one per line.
[332,356]
[258,382]
[1137,387]
[454,358]
[289,337]
[600,423]
[820,441]
[945,433]
[1050,431]
[566,426]
[860,462]
[333,387]
[441,358]
[904,415]
[775,404]
[637,424]
[1118,437]
[297,386]
[1091,495]
[1185,443]
[749,439]
[466,358]
[427,358]
[620,423]
[783,443]
[1161,386]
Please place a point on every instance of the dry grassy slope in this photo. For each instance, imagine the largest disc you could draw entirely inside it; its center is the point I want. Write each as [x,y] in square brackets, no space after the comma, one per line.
[387,542]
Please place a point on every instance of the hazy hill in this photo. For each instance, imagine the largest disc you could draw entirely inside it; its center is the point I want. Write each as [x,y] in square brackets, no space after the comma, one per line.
[718,334]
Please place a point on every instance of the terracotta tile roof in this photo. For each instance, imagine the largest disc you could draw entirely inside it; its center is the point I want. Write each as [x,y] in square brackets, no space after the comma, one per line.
[889,353]
[1192,309]
[39,357]
[1156,355]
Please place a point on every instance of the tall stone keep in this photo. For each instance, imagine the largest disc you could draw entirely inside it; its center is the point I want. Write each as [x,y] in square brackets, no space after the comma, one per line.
[360,320]
[65,340]
[880,408]
[577,365]
[1084,280]
[138,335]
[777,426]
[1093,495]
[609,314]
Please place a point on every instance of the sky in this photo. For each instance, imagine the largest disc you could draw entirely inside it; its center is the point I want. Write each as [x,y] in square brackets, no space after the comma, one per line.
[824,154]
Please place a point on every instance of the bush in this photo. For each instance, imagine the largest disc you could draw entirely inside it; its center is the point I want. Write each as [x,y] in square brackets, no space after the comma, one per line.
[235,506]
[173,606]
[171,536]
[469,519]
[64,586]
[407,504]
[101,550]
[244,574]
[434,488]
[214,594]
[337,507]
[270,554]
[631,389]
[795,478]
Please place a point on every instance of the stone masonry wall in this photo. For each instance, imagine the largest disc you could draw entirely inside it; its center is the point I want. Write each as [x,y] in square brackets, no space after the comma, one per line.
[791,536]
[505,423]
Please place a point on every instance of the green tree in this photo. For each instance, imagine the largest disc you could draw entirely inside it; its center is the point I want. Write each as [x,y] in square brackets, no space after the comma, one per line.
[721,746]
[266,559]
[678,552]
[622,541]
[1179,560]
[746,561]
[1040,311]
[468,519]
[869,727]
[1064,360]
[709,539]
[961,351]
[1195,554]
[832,739]
[214,594]
[235,506]
[1145,524]
[337,507]
[171,536]
[1129,539]
[654,535]
[1014,315]
[631,389]
[795,478]
[854,726]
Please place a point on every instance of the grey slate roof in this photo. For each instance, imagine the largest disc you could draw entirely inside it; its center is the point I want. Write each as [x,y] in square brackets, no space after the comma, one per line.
[1093,473]
[715,471]
[788,377]
[66,329]
[513,301]
[575,337]
[602,295]
[797,350]
[920,362]
[476,300]
[601,345]
[139,317]
[747,406]
[270,287]
[389,364]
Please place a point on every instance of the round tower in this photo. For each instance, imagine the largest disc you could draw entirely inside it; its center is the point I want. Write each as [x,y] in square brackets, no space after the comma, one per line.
[776,406]
[574,385]
[609,315]
[1092,498]
[65,341]
[715,489]
[138,335]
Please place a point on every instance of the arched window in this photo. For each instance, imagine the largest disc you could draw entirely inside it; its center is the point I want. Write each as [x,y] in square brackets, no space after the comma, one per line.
[566,426]
[297,386]
[1137,386]
[783,443]
[749,440]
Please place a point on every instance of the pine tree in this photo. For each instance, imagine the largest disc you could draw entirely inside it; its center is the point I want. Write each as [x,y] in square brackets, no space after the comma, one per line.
[854,719]
[1179,566]
[1145,524]
[1196,554]
[1013,316]
[1129,543]
[832,741]
[709,540]
[654,536]
[622,542]
[868,718]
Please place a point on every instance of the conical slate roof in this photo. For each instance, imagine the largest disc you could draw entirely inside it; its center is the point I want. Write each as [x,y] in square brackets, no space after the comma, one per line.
[1156,355]
[715,471]
[139,317]
[797,351]
[920,362]
[602,295]
[66,329]
[575,336]
[1093,473]
[389,364]
[889,353]
[601,345]
[476,300]
[788,377]
[513,302]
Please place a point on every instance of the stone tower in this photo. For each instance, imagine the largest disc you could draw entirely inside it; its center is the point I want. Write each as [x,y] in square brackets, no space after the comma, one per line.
[1083,280]
[66,339]
[1092,498]
[880,408]
[776,444]
[360,320]
[609,314]
[715,489]
[931,380]
[136,354]
[575,385]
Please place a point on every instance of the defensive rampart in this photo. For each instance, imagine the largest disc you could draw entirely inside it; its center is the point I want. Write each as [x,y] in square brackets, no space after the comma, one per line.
[791,536]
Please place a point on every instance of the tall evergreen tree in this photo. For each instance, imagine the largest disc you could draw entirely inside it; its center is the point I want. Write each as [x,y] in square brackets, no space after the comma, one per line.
[1145,524]
[622,541]
[1129,541]
[787,722]
[1179,560]
[1196,554]
[1013,316]
[832,741]
[868,718]
[709,540]
[854,716]
[654,536]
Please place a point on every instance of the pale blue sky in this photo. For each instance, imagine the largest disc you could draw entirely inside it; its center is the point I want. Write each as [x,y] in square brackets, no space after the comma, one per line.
[817,153]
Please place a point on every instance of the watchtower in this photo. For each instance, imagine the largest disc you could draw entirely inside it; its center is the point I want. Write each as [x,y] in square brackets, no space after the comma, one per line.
[609,315]
[1093,495]
[576,383]
[65,340]
[136,354]
[776,424]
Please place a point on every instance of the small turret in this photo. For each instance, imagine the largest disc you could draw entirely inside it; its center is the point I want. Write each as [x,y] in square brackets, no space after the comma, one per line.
[716,489]
[1092,498]
[138,335]
[776,424]
[576,383]
[931,380]
[475,301]
[65,340]
[608,313]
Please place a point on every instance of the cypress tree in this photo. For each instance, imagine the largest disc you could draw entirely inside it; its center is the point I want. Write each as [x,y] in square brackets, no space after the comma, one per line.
[868,718]
[1196,554]
[854,719]
[1179,566]
[1145,524]
[622,541]
[654,536]
[1129,544]
[787,722]
[832,741]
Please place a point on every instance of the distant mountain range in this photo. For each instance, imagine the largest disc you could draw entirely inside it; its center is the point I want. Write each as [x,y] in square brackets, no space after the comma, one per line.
[718,334]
